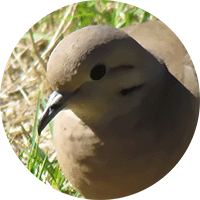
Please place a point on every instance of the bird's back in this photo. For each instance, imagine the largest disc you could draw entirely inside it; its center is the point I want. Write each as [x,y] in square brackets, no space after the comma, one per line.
[159,40]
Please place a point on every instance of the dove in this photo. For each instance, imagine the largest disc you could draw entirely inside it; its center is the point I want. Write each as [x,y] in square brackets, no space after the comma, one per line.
[125,107]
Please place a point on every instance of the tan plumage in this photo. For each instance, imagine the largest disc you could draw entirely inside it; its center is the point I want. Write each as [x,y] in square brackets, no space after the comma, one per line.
[132,119]
[158,39]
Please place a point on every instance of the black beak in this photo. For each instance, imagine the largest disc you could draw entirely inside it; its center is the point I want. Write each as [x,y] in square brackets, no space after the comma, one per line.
[57,101]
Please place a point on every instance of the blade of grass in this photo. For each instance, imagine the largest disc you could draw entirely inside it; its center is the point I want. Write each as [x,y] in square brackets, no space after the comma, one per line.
[77,194]
[39,176]
[35,132]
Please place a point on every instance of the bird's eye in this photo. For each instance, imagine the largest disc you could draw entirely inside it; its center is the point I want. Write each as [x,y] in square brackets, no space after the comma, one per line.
[98,72]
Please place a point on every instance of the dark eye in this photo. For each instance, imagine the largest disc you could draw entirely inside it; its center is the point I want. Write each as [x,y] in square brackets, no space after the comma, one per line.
[98,72]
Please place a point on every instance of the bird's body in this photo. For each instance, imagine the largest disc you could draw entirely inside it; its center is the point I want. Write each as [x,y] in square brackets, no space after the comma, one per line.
[132,125]
[104,163]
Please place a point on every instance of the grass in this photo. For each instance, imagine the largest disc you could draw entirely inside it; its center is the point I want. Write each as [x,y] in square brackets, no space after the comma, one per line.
[21,98]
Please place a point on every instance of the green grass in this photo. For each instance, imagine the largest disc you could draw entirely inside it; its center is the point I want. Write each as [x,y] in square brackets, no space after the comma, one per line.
[91,13]
[38,163]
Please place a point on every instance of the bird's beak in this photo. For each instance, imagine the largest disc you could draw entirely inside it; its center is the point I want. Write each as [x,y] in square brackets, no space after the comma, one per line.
[57,101]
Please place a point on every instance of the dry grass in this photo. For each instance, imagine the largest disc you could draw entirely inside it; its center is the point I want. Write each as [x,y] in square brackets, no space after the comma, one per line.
[25,73]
